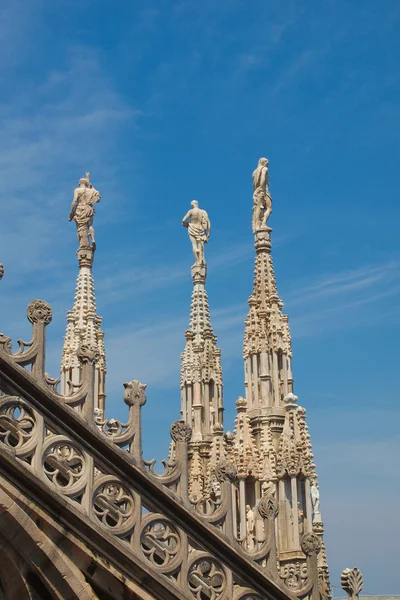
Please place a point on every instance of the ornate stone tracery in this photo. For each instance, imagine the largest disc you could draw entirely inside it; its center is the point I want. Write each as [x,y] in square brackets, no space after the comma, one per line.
[207,578]
[17,424]
[64,465]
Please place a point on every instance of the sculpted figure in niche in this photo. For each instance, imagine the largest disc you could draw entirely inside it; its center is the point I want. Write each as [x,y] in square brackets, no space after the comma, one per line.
[250,528]
[315,497]
[300,513]
[199,229]
[216,491]
[82,211]
[262,207]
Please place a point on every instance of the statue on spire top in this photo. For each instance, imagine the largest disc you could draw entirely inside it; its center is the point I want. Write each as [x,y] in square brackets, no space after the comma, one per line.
[199,229]
[82,211]
[262,207]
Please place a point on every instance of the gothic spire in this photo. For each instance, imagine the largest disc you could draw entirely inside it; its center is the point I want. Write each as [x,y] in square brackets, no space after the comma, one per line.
[83,323]
[276,425]
[201,374]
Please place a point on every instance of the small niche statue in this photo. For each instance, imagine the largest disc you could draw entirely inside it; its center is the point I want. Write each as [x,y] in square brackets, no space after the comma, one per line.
[82,211]
[314,491]
[199,229]
[300,514]
[262,207]
[250,528]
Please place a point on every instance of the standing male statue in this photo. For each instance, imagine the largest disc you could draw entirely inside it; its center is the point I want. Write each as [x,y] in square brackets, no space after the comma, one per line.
[250,528]
[314,491]
[199,229]
[82,211]
[262,207]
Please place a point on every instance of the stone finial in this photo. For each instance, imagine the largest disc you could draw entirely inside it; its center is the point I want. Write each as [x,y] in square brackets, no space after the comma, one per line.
[199,228]
[39,310]
[241,404]
[352,582]
[290,401]
[181,431]
[135,393]
[88,353]
[82,211]
[268,507]
[310,543]
[262,207]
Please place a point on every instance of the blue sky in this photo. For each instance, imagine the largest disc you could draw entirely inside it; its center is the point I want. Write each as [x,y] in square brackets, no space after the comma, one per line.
[164,101]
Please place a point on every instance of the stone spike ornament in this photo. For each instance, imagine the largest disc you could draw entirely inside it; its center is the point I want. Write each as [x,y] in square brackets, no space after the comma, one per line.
[83,323]
[352,582]
[270,422]
[201,373]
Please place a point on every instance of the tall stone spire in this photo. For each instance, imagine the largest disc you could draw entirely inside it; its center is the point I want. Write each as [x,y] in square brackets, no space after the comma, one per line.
[83,323]
[276,424]
[201,374]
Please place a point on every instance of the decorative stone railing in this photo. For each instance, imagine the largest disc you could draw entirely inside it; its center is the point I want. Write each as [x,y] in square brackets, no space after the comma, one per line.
[90,471]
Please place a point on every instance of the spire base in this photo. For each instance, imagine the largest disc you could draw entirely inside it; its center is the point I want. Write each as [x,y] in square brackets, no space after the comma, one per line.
[199,273]
[262,239]
[85,256]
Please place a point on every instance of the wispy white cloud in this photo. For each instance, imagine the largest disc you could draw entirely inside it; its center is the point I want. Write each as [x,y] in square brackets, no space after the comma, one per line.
[344,300]
[140,342]
[68,123]
[347,281]
[299,65]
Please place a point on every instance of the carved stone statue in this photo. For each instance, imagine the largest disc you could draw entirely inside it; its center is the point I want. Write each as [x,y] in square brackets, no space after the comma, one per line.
[268,489]
[315,497]
[262,207]
[216,491]
[250,528]
[199,229]
[300,514]
[82,211]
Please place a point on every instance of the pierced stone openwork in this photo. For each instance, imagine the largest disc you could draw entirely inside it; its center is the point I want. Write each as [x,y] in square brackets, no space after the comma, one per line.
[160,542]
[207,579]
[268,508]
[17,424]
[294,575]
[113,505]
[64,465]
